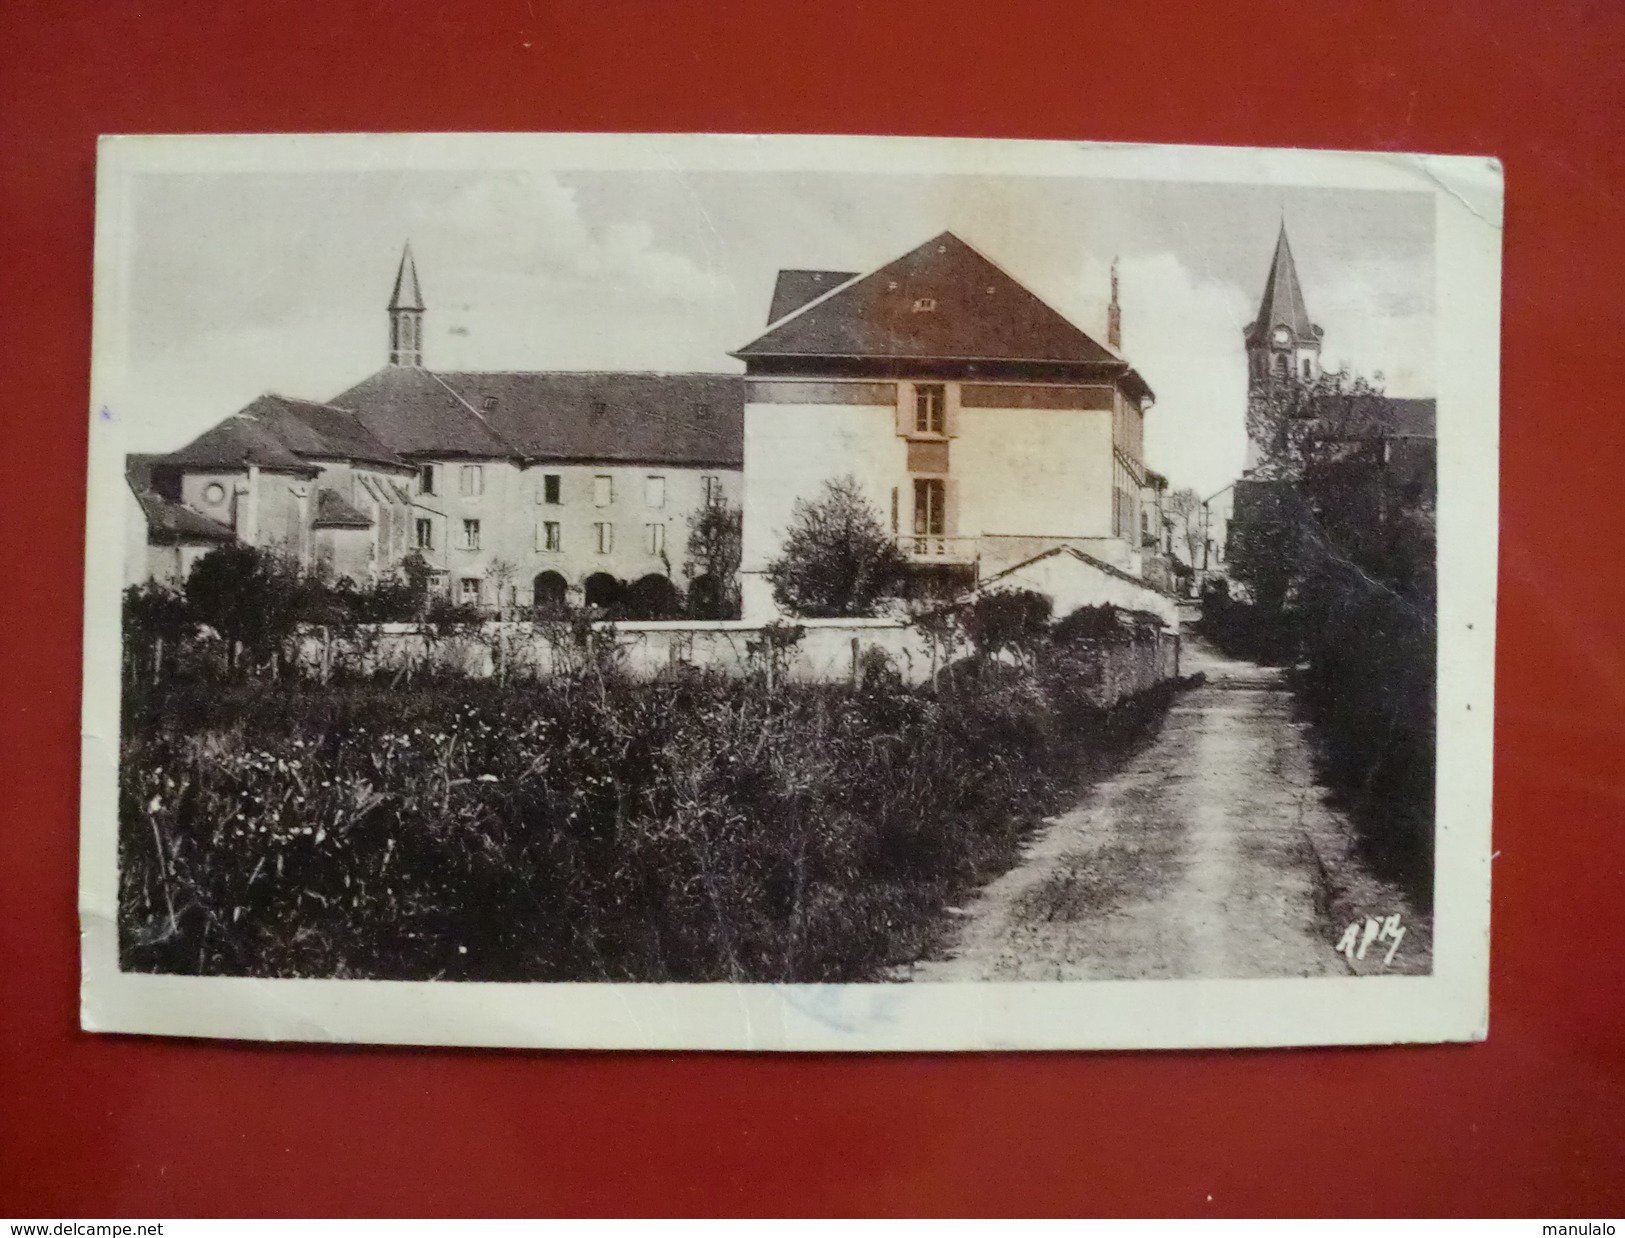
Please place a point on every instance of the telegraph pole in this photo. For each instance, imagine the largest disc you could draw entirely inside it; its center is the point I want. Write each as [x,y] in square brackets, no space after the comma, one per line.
[1207,535]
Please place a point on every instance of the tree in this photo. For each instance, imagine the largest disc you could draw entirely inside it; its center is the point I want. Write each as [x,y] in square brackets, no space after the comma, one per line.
[837,559]
[503,574]
[1325,496]
[417,573]
[1013,619]
[712,564]
[1333,535]
[252,599]
[156,622]
[1186,510]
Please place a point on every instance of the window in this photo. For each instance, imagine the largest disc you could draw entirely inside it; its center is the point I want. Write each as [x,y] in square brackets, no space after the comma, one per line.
[426,479]
[550,538]
[599,408]
[489,404]
[654,538]
[470,595]
[604,532]
[550,488]
[894,510]
[712,488]
[214,492]
[603,490]
[1280,364]
[925,305]
[471,535]
[702,412]
[930,400]
[930,506]
[654,491]
[1306,371]
[425,534]
[473,479]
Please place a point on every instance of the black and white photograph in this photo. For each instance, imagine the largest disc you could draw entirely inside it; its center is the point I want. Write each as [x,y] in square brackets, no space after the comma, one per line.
[789,593]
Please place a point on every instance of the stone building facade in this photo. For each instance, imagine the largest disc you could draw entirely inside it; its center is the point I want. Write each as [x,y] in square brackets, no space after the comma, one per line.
[516,488]
[984,426]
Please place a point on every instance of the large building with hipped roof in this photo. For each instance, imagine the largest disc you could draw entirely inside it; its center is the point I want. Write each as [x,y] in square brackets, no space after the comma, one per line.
[984,426]
[517,488]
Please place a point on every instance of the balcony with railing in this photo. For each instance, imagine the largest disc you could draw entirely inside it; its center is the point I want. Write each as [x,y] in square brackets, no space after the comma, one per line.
[937,548]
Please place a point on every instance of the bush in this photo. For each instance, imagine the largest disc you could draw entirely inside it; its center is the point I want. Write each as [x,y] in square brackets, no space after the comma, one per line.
[837,560]
[712,565]
[693,828]
[1006,619]
[242,612]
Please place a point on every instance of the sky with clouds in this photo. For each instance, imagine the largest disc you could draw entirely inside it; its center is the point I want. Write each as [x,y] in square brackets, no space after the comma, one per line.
[242,283]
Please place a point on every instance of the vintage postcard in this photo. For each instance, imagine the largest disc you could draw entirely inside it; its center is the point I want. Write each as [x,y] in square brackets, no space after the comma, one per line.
[789,593]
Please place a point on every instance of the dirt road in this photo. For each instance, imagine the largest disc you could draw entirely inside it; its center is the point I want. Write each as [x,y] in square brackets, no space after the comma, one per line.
[1198,859]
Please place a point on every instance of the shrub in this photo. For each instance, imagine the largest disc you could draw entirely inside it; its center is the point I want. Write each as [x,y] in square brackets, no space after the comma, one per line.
[252,599]
[156,623]
[712,566]
[1006,619]
[583,827]
[837,560]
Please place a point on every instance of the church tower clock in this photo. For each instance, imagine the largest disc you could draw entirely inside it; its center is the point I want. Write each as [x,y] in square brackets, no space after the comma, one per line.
[1282,344]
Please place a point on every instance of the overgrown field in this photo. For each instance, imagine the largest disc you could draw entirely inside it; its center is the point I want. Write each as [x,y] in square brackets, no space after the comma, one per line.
[586,827]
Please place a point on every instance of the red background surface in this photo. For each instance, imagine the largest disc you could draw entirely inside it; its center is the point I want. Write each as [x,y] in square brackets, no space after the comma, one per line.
[1531,1122]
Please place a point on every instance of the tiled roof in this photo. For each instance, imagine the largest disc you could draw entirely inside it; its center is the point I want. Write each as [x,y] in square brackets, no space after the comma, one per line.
[1410,418]
[1282,304]
[793,289]
[941,301]
[321,430]
[236,442]
[1389,417]
[658,418]
[168,521]
[281,433]
[412,412]
[333,510]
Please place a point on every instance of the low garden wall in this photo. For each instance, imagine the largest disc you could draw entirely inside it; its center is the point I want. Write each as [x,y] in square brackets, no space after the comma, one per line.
[827,651]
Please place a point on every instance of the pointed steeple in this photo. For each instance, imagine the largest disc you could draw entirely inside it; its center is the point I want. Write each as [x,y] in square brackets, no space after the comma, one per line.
[406,314]
[1282,344]
[1282,304]
[407,295]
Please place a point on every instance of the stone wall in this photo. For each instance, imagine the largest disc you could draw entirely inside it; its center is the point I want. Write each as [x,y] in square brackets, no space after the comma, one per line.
[829,651]
[1123,670]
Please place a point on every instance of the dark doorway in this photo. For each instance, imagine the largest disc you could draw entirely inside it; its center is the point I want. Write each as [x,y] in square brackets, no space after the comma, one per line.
[603,591]
[549,592]
[652,597]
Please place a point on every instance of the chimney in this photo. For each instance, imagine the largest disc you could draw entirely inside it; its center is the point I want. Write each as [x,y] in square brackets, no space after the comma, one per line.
[1114,316]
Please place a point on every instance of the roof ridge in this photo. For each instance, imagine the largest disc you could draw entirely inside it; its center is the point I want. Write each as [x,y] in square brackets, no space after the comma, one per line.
[299,399]
[827,293]
[494,432]
[606,373]
[999,267]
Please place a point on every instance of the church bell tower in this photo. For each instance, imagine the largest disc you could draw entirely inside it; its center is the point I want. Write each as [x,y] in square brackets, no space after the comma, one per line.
[1282,344]
[406,315]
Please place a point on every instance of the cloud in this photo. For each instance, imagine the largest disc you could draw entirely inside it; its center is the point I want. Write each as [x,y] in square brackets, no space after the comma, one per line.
[1378,317]
[531,225]
[1182,331]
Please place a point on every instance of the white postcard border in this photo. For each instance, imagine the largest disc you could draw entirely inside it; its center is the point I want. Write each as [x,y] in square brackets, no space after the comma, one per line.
[1450,1004]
